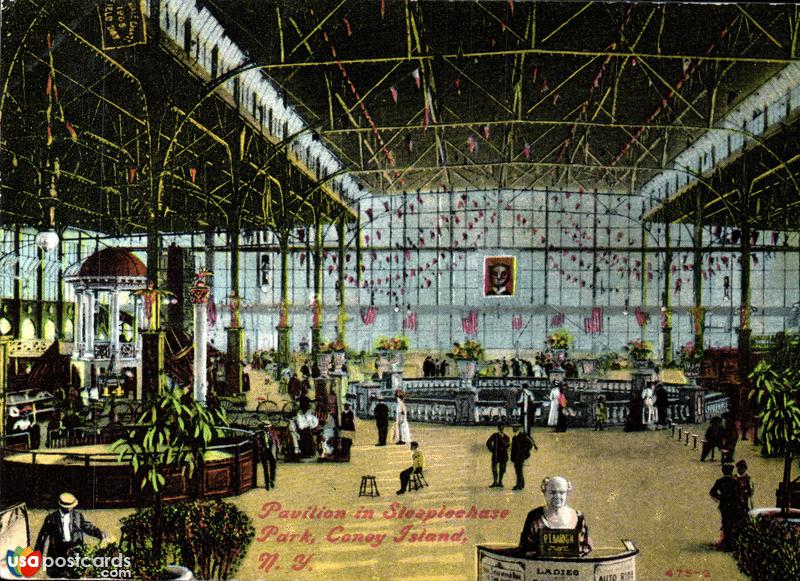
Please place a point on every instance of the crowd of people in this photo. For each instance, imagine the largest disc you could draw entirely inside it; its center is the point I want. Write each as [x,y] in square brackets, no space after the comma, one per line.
[434,367]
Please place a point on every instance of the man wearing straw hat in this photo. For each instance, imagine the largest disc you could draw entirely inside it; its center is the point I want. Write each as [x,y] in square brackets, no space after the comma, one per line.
[64,529]
[268,447]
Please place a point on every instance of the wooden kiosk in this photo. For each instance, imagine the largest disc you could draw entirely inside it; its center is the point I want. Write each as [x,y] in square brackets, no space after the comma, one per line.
[503,563]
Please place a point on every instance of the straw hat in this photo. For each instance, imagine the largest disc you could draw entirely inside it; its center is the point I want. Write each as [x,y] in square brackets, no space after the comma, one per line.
[67,500]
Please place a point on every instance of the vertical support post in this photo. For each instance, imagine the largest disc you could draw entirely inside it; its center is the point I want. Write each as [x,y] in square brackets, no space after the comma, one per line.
[152,363]
[233,244]
[3,383]
[743,339]
[316,322]
[60,320]
[284,328]
[341,319]
[40,306]
[234,369]
[666,298]
[698,314]
[235,355]
[643,236]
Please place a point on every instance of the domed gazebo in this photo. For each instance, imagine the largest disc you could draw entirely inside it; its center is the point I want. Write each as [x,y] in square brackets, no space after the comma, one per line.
[108,275]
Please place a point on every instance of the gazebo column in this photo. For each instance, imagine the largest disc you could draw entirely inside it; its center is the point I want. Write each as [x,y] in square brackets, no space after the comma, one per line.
[78,335]
[113,331]
[89,341]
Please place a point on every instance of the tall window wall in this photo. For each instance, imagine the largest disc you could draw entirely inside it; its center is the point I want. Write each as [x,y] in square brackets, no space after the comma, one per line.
[584,262]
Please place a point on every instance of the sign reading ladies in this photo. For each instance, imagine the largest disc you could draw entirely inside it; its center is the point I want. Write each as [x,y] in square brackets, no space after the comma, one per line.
[499,276]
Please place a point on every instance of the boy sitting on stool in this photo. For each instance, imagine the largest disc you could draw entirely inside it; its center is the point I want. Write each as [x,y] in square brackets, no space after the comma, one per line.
[417,464]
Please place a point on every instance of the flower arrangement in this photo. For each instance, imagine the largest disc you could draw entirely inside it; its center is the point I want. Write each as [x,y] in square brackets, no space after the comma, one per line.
[639,350]
[690,357]
[469,350]
[337,344]
[399,343]
[610,362]
[560,339]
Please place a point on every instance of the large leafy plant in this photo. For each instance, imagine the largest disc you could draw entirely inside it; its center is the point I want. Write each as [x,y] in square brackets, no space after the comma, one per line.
[171,436]
[776,389]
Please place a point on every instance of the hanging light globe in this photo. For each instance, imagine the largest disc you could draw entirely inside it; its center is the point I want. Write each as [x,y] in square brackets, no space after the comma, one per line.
[47,240]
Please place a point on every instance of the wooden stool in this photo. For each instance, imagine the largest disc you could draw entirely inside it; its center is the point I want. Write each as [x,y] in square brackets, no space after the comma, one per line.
[417,481]
[368,487]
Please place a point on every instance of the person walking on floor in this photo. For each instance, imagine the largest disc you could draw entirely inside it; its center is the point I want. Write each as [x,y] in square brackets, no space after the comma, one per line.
[268,448]
[521,445]
[417,464]
[563,413]
[402,433]
[601,414]
[63,530]
[347,430]
[746,488]
[381,420]
[498,444]
[726,493]
[554,397]
[713,438]
[527,408]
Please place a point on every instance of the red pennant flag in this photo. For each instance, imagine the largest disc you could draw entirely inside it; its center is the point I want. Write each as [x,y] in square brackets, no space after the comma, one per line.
[368,315]
[469,324]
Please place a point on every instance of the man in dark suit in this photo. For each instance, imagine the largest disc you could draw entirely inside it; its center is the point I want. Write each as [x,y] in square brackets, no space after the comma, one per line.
[381,421]
[64,529]
[498,445]
[267,446]
[521,445]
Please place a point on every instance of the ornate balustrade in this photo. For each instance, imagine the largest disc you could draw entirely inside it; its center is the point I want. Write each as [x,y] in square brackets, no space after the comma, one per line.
[441,400]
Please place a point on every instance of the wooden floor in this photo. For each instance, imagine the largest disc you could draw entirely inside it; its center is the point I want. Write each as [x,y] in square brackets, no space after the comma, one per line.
[640,486]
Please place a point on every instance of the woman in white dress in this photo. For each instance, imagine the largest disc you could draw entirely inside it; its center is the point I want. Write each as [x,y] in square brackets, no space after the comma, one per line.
[649,406]
[402,433]
[555,396]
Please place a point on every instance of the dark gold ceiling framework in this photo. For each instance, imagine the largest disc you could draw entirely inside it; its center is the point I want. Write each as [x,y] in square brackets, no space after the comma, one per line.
[408,95]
